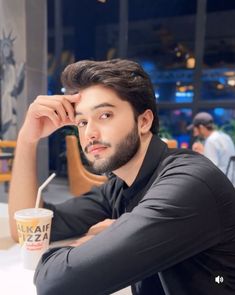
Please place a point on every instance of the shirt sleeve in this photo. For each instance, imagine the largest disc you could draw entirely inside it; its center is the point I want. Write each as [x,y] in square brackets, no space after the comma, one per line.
[75,216]
[169,225]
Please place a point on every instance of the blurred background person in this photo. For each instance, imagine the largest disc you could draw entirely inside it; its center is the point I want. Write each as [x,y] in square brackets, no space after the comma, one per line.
[214,144]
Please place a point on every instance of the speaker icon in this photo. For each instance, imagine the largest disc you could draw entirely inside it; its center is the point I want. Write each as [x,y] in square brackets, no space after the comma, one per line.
[219,279]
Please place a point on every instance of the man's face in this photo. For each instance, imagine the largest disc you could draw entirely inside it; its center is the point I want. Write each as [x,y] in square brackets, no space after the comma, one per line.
[108,132]
[198,131]
[195,131]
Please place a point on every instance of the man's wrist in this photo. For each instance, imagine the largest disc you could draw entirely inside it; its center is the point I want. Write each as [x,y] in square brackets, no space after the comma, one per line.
[24,139]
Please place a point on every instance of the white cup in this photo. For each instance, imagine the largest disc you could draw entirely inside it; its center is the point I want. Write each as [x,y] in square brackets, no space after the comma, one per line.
[34,227]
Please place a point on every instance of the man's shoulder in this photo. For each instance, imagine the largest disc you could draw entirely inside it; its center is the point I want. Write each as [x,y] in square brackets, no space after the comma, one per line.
[218,134]
[181,157]
[220,137]
[192,165]
[187,167]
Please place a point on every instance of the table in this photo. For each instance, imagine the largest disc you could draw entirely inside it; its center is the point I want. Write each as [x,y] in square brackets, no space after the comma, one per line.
[13,277]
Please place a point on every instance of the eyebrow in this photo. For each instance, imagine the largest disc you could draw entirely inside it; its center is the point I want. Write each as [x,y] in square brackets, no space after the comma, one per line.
[102,105]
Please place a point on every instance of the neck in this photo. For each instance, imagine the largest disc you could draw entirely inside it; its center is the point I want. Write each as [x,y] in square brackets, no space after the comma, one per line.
[129,171]
[208,133]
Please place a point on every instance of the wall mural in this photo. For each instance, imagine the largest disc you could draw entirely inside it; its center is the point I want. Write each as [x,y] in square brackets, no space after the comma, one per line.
[12,77]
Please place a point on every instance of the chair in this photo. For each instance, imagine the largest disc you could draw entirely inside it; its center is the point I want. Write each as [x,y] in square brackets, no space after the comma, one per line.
[80,179]
[171,143]
[6,145]
[230,170]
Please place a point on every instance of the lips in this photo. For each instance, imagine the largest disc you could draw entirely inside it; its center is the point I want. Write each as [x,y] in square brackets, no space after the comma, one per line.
[95,149]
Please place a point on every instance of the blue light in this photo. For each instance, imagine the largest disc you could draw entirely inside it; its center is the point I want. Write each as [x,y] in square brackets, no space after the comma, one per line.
[148,66]
[219,112]
[157,95]
[183,94]
[182,97]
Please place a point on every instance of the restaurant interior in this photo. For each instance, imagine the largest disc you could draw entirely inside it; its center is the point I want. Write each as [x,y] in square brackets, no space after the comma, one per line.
[186,47]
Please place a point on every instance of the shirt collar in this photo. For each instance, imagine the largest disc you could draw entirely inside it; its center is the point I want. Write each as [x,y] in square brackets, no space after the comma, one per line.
[152,159]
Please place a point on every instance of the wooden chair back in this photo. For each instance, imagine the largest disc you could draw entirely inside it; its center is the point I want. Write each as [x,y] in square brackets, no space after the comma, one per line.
[5,176]
[80,179]
[171,143]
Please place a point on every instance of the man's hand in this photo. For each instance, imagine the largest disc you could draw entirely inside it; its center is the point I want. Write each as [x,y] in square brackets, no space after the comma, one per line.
[94,230]
[100,226]
[81,241]
[47,114]
[198,147]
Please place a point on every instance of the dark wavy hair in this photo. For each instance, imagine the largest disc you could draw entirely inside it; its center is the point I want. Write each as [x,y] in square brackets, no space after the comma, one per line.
[127,78]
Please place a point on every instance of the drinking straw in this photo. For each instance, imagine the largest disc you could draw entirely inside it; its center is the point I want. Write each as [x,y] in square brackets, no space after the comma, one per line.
[45,183]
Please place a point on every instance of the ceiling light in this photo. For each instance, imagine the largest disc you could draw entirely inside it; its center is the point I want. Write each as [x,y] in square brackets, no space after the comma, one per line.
[231,82]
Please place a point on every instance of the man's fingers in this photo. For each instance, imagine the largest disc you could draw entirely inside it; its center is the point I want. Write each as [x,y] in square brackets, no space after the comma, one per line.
[68,102]
[61,104]
[73,98]
[49,113]
[100,226]
[81,241]
[68,108]
[40,111]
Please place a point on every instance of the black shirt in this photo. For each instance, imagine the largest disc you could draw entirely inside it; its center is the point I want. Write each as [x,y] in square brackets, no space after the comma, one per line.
[174,233]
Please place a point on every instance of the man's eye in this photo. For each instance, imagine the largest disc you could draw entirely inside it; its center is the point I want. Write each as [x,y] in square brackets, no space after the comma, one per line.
[105,115]
[81,124]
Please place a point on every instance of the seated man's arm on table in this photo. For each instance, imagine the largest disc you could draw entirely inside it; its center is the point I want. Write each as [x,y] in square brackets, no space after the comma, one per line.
[153,237]
[93,230]
[76,216]
[45,115]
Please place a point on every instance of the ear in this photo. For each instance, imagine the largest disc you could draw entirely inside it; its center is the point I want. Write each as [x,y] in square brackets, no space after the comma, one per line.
[145,121]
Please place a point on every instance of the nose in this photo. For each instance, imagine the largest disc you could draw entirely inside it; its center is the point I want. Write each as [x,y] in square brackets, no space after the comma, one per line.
[91,132]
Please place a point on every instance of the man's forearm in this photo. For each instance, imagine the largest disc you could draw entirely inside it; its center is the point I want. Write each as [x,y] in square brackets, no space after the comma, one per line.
[23,186]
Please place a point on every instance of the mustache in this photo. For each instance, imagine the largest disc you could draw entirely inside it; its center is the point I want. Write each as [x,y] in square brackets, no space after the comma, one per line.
[96,142]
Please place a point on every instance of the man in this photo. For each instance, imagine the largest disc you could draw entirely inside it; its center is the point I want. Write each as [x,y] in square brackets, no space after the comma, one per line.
[218,146]
[164,223]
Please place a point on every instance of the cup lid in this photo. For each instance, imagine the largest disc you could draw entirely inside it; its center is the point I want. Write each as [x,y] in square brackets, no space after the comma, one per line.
[30,213]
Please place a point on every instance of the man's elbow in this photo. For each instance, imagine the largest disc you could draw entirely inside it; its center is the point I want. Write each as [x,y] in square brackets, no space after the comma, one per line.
[53,275]
[49,282]
[59,274]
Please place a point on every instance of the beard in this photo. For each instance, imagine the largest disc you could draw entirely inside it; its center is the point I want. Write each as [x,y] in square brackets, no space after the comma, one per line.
[123,153]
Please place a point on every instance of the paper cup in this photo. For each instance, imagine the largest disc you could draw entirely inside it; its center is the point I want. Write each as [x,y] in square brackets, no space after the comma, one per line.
[34,227]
